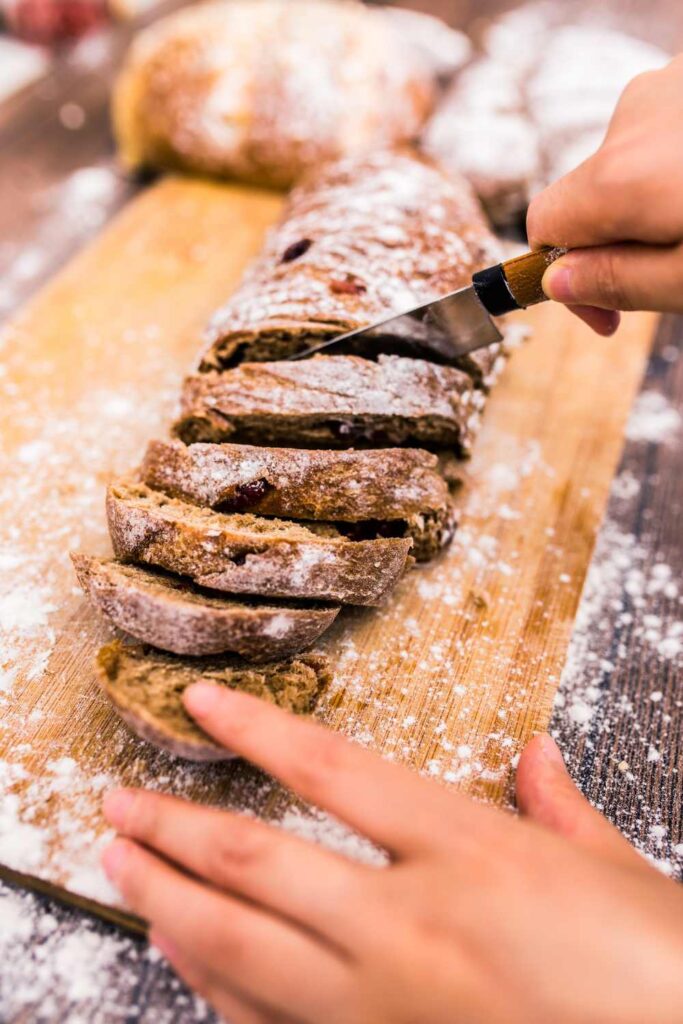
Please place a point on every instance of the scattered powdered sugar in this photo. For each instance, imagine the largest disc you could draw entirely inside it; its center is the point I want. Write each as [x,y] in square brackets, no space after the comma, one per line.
[319,827]
[630,623]
[456,732]
[653,419]
[620,584]
[61,449]
[60,967]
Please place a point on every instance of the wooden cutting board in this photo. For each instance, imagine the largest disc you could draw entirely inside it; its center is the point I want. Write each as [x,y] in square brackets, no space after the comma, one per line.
[452,676]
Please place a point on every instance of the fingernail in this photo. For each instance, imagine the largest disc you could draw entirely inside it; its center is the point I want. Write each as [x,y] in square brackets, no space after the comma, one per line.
[114,859]
[116,806]
[550,751]
[201,698]
[557,284]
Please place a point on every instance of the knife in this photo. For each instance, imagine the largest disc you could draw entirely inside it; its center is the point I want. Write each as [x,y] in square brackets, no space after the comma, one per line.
[448,328]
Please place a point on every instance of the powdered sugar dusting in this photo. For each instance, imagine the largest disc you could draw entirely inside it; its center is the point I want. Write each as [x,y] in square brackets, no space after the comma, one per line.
[653,419]
[59,449]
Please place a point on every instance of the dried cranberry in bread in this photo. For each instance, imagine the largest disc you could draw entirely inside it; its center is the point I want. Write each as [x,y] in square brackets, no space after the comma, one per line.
[247,554]
[333,401]
[146,688]
[172,614]
[263,89]
[360,240]
[390,489]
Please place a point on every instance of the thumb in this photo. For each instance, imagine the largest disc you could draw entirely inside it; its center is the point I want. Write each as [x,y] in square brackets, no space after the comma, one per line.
[547,795]
[627,276]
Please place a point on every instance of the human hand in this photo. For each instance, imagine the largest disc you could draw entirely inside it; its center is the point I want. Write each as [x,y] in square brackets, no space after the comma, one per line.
[480,917]
[621,211]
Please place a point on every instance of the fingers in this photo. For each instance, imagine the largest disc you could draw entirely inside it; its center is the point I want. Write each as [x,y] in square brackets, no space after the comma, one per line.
[626,192]
[618,277]
[547,795]
[291,877]
[354,784]
[603,321]
[261,957]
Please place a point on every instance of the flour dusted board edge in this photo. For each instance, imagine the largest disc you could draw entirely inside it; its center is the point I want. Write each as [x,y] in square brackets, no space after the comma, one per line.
[452,676]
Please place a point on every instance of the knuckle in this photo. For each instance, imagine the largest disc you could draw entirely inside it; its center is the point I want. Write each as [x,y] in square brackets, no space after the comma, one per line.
[321,759]
[238,847]
[143,816]
[132,878]
[608,281]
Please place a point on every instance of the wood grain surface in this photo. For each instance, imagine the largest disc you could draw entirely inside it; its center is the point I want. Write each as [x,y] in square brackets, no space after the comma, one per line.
[451,676]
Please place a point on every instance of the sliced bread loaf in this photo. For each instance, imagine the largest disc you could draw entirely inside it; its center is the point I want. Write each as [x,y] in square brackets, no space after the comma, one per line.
[247,554]
[333,401]
[374,489]
[172,614]
[146,688]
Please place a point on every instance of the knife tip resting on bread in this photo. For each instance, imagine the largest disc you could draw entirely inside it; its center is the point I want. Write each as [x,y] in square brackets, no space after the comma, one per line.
[287,489]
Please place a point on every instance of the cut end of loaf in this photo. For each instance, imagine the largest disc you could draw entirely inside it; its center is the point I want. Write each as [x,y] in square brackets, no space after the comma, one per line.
[146,688]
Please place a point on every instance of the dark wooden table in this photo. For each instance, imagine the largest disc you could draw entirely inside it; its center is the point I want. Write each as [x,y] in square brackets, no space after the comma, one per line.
[619,718]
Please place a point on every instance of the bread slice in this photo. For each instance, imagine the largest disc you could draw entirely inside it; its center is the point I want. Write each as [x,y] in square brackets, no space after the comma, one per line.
[397,489]
[172,614]
[146,688]
[333,401]
[247,554]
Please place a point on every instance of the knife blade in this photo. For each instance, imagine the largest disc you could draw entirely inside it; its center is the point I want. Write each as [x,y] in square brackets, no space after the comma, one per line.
[455,324]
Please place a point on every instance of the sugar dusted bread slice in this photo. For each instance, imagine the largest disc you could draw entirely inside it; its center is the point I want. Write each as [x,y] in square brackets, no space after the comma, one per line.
[333,401]
[172,614]
[146,688]
[247,554]
[391,489]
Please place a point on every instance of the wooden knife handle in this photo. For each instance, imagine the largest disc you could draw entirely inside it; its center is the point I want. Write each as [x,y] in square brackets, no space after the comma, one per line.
[516,283]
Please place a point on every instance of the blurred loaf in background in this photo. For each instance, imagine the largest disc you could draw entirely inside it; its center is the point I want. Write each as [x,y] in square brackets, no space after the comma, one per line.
[535,103]
[262,90]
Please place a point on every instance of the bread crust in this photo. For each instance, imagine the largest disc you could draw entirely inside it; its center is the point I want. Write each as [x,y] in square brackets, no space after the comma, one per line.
[145,687]
[170,614]
[334,402]
[247,554]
